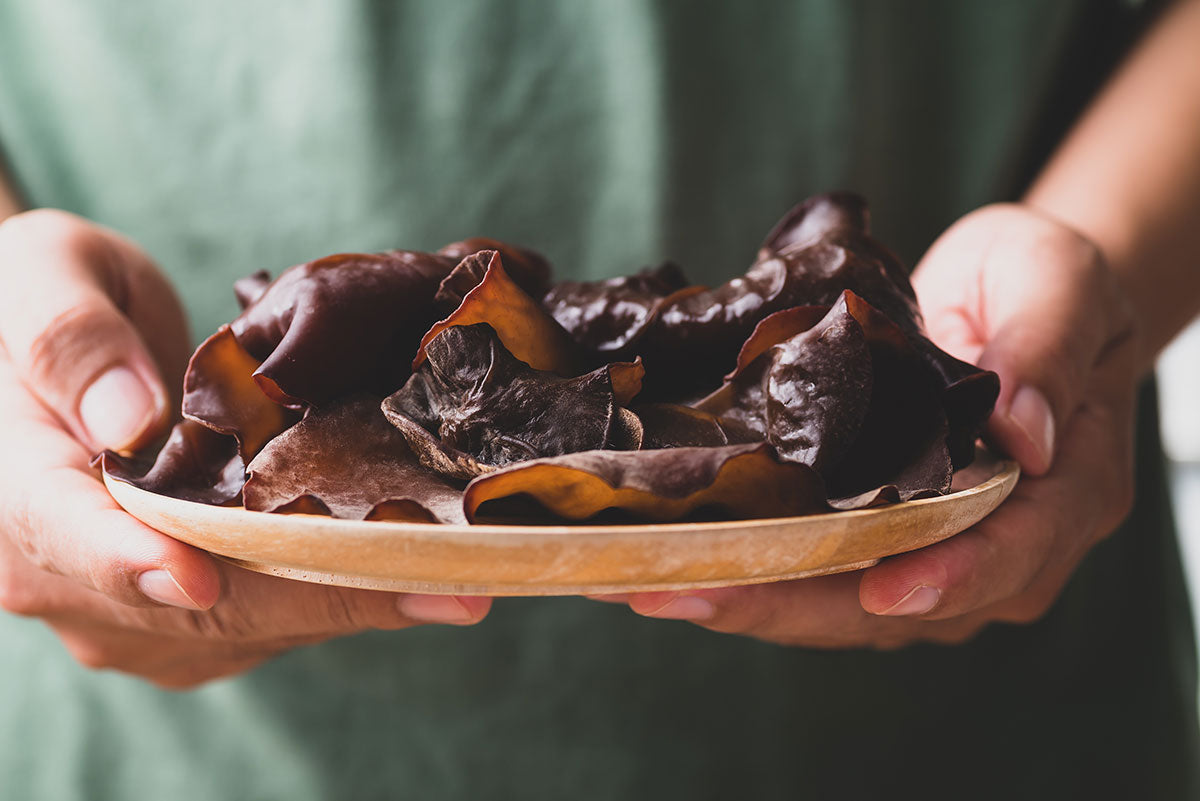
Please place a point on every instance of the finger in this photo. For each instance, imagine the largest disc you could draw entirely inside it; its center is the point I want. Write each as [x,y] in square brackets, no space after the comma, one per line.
[256,611]
[68,525]
[72,299]
[168,662]
[56,516]
[256,607]
[100,646]
[1026,550]
[816,612]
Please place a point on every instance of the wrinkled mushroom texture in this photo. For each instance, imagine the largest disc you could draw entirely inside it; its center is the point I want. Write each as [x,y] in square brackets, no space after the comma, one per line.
[473,406]
[342,324]
[607,317]
[527,268]
[670,425]
[734,481]
[848,396]
[527,332]
[347,461]
[219,391]
[196,464]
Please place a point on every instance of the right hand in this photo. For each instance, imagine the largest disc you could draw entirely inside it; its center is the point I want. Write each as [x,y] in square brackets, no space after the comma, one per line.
[90,329]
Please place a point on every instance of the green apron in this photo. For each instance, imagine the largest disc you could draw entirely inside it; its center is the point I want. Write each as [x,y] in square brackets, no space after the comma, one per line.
[226,137]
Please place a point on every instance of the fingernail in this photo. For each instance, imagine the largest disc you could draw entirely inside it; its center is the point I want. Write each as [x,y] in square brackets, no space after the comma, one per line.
[684,607]
[1031,413]
[117,408]
[919,601]
[434,609]
[161,586]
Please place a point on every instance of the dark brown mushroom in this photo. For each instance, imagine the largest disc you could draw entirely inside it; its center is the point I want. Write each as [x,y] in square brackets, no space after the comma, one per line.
[347,461]
[527,332]
[195,464]
[219,391]
[341,324]
[607,318]
[730,482]
[848,395]
[473,406]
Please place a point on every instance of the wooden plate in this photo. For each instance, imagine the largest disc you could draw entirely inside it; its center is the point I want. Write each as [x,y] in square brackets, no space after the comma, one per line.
[569,560]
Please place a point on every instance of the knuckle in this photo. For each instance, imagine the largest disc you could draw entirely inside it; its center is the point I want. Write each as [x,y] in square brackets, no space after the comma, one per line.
[91,654]
[70,338]
[37,225]
[1027,609]
[224,622]
[17,595]
[24,528]
[754,616]
[341,610]
[1066,373]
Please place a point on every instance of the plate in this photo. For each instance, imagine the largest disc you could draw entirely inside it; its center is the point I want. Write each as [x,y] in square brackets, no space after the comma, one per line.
[570,560]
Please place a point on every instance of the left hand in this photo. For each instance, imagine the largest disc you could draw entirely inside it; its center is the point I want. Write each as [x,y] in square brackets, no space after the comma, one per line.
[1021,294]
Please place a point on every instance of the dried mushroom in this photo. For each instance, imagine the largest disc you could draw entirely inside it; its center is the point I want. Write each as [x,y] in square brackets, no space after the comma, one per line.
[733,481]
[527,268]
[347,461]
[473,406]
[607,318]
[818,388]
[219,391]
[670,425]
[526,331]
[196,464]
[847,395]
[339,325]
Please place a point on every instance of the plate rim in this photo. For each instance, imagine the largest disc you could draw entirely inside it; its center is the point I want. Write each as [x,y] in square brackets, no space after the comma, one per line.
[389,547]
[1006,470]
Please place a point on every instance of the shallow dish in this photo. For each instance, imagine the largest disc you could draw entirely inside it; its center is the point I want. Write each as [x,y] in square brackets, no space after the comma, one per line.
[570,560]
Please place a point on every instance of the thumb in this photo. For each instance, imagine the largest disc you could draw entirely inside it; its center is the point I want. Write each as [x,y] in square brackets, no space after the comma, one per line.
[1034,301]
[72,299]
[1045,350]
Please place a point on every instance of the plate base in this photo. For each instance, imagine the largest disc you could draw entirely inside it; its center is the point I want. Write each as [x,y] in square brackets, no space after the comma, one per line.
[500,590]
[569,560]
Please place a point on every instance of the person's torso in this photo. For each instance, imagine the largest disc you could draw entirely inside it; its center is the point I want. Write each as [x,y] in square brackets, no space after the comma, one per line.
[228,138]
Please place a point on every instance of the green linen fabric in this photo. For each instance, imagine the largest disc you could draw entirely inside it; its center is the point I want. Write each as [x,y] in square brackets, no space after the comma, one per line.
[228,137]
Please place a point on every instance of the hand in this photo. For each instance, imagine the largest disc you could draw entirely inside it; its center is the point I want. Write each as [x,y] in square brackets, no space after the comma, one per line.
[90,329]
[1025,296]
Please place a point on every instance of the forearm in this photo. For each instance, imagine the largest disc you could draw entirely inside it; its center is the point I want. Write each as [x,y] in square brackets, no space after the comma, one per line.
[1128,177]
